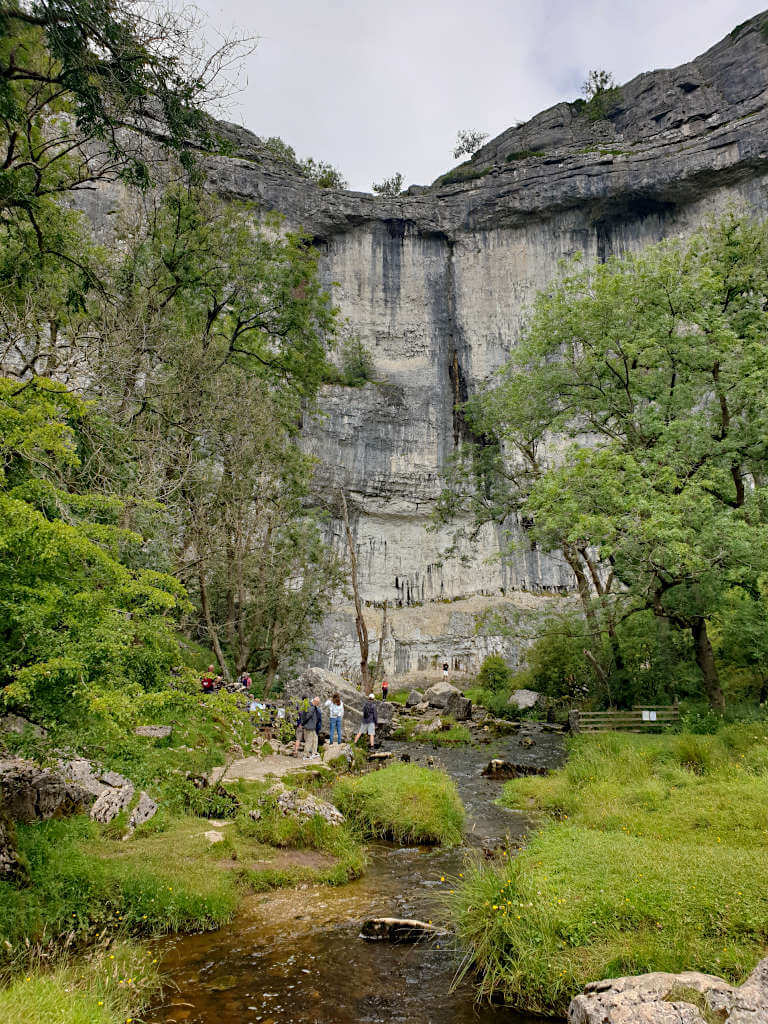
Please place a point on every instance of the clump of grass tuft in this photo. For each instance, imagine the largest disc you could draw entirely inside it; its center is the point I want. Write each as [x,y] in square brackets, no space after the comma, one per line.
[405,802]
[109,986]
[653,859]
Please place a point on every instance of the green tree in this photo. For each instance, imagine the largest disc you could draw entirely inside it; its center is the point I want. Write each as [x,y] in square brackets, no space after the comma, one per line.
[392,186]
[75,619]
[495,674]
[94,89]
[651,371]
[468,141]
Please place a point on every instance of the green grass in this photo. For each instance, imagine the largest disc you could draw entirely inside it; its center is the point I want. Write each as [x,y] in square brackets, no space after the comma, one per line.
[451,735]
[405,802]
[399,697]
[110,986]
[652,857]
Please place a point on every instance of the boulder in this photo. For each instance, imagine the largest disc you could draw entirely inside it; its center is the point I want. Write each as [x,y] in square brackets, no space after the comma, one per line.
[524,699]
[30,793]
[498,768]
[317,682]
[459,707]
[304,805]
[686,998]
[413,698]
[333,750]
[421,707]
[436,725]
[398,929]
[437,696]
[157,732]
[111,802]
[145,809]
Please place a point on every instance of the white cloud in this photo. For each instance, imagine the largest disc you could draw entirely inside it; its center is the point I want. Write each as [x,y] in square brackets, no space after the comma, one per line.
[380,87]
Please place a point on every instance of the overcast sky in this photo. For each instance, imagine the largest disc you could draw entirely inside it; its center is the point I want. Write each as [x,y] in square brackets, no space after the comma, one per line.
[378,87]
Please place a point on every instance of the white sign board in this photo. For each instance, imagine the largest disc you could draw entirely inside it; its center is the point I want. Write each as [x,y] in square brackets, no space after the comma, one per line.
[649,716]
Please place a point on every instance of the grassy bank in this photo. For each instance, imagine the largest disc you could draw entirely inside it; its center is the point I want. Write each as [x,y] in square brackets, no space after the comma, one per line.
[651,856]
[109,986]
[405,802]
[89,887]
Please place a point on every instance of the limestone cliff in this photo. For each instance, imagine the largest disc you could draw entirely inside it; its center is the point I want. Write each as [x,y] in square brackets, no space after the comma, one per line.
[436,284]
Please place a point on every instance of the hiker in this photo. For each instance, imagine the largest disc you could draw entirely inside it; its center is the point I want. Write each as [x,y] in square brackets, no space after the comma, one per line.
[313,720]
[370,720]
[384,689]
[336,712]
[244,681]
[445,670]
[303,708]
[207,679]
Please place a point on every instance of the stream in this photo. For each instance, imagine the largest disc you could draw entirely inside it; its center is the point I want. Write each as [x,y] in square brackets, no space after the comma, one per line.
[295,956]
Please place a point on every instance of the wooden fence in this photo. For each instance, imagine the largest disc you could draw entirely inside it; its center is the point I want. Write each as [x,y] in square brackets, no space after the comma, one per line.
[642,718]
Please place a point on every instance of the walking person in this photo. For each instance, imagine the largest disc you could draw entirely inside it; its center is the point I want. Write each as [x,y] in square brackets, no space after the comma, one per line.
[384,689]
[370,720]
[336,714]
[303,709]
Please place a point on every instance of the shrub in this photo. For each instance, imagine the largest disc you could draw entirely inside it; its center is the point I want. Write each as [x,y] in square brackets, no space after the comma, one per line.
[404,802]
[495,674]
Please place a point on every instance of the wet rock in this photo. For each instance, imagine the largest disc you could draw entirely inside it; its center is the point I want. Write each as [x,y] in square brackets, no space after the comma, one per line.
[381,755]
[413,698]
[397,929]
[437,696]
[497,768]
[527,741]
[157,732]
[661,998]
[30,793]
[525,699]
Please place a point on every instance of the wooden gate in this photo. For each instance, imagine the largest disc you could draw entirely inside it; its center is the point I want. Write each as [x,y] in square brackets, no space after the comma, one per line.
[642,718]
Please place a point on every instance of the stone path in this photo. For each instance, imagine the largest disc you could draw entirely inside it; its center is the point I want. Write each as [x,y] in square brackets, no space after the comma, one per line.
[256,769]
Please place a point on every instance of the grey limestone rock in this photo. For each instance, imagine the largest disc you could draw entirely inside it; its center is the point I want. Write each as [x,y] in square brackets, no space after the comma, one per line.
[439,695]
[145,809]
[661,998]
[524,699]
[112,802]
[414,698]
[459,707]
[30,793]
[305,805]
[158,732]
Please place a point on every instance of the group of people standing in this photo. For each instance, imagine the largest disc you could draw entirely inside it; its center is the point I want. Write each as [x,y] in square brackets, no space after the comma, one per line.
[309,722]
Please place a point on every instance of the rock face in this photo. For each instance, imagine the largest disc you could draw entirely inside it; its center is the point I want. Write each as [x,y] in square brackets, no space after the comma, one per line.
[31,794]
[317,682]
[687,998]
[437,283]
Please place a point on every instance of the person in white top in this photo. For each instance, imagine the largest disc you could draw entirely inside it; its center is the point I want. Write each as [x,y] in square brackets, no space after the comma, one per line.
[336,713]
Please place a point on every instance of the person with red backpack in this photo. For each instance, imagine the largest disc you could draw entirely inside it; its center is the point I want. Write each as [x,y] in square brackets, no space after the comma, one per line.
[208,680]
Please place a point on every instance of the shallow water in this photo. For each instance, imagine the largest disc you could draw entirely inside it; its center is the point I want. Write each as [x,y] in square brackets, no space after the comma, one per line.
[296,956]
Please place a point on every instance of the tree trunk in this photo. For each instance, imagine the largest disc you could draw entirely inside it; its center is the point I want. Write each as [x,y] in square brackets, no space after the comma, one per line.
[360,626]
[381,638]
[212,633]
[705,659]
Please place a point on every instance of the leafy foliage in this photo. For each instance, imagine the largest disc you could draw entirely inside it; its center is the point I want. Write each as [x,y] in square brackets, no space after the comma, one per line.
[468,141]
[495,674]
[391,186]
